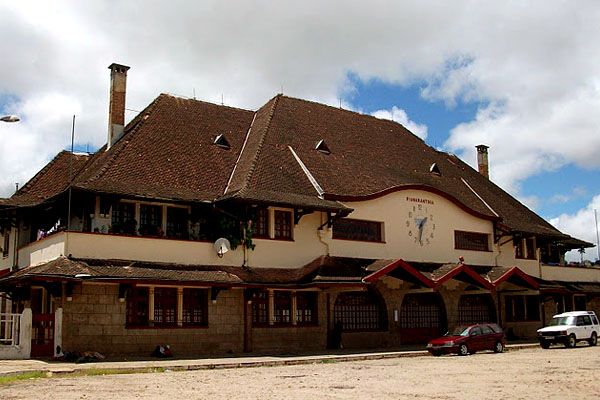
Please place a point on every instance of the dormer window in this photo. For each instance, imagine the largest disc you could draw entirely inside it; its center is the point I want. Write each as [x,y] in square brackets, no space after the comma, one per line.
[434,169]
[222,142]
[322,147]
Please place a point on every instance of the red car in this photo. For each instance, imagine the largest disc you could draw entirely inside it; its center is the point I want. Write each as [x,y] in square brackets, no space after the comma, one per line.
[469,339]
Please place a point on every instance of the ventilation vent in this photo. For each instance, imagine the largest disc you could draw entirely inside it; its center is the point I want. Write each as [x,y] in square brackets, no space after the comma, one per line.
[434,169]
[222,142]
[322,147]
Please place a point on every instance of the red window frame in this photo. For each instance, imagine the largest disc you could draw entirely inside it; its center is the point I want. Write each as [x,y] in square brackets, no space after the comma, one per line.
[283,224]
[282,308]
[137,306]
[261,224]
[306,308]
[195,307]
[260,308]
[165,306]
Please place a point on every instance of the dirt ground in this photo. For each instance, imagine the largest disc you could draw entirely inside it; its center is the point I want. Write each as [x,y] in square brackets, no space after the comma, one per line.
[557,373]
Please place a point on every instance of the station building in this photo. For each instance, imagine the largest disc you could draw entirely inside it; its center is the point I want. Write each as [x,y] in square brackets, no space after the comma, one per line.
[334,221]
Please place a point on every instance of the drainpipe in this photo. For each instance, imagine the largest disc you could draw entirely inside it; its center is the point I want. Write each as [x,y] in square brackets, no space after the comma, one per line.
[16,251]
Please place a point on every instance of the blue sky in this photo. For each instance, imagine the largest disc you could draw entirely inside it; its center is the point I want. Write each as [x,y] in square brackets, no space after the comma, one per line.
[522,78]
[565,190]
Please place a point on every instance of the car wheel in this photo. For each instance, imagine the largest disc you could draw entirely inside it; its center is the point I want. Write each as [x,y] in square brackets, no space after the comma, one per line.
[436,353]
[571,341]
[593,339]
[498,347]
[463,350]
[545,344]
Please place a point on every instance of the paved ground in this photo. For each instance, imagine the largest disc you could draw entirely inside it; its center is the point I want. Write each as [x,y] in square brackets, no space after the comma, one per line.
[529,373]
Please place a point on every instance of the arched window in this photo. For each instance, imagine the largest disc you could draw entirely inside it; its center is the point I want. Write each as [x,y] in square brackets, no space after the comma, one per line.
[359,311]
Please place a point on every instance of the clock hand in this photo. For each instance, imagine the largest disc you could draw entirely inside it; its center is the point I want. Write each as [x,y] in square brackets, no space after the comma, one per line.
[421,226]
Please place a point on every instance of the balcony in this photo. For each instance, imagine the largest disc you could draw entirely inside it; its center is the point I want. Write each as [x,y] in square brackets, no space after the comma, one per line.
[573,273]
[268,252]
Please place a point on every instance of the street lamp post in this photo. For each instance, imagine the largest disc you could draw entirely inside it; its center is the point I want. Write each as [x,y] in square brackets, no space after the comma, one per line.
[10,118]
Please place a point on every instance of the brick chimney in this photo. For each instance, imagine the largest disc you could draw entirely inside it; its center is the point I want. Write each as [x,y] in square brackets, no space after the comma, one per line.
[116,110]
[482,160]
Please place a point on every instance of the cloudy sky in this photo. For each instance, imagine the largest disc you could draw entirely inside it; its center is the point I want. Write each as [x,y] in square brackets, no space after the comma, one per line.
[520,77]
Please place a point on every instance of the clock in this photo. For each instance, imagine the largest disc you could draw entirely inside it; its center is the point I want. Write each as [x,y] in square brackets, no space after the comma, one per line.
[420,224]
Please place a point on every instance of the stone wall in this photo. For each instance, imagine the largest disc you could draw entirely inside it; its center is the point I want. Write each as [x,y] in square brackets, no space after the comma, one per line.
[95,320]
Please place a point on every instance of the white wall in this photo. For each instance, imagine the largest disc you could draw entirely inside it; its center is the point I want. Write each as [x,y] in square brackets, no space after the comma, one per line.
[393,210]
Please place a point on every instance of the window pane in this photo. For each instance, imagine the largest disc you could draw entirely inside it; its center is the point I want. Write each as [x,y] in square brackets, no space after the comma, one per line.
[195,305]
[150,220]
[282,311]
[283,224]
[165,306]
[177,223]
[261,223]
[260,302]
[306,308]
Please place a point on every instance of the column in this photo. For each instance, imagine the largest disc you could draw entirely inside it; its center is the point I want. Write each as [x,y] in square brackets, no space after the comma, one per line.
[271,307]
[179,306]
[151,306]
[294,309]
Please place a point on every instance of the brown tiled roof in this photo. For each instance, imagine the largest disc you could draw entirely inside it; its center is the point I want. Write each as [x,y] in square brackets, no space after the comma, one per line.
[50,181]
[115,270]
[323,269]
[168,153]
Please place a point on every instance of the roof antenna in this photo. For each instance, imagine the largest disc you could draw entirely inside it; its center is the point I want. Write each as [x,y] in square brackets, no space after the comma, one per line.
[222,99]
[194,89]
[340,103]
[281,90]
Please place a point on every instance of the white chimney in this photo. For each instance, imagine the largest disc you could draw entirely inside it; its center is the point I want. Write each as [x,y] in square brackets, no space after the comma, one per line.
[482,160]
[116,110]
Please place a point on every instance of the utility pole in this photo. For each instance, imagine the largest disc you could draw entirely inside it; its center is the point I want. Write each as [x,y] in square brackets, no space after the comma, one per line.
[597,240]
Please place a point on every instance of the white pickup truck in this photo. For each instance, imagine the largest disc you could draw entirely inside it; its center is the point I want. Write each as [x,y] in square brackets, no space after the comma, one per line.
[569,328]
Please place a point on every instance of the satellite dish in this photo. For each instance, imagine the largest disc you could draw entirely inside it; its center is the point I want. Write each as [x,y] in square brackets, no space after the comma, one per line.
[222,246]
[10,118]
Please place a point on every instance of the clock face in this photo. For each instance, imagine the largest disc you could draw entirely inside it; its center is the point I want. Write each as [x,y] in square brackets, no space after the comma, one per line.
[420,224]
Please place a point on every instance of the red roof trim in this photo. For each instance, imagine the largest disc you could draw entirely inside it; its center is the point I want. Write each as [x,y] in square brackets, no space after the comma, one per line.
[467,270]
[520,273]
[402,264]
[409,187]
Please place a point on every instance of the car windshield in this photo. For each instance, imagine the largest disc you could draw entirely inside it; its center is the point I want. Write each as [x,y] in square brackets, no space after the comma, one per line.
[459,331]
[563,321]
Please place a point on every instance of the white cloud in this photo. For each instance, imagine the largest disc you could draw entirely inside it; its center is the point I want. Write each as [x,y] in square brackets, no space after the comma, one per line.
[582,226]
[399,115]
[532,202]
[540,81]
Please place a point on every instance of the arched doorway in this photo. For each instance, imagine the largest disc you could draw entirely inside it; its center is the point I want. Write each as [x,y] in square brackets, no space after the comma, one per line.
[422,318]
[476,309]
